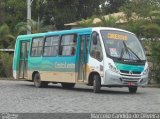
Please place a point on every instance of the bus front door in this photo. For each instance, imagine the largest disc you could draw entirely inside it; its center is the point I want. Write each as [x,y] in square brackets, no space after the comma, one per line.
[23,62]
[84,39]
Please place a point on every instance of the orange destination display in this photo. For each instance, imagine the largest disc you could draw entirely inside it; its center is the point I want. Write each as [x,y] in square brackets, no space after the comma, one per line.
[117,36]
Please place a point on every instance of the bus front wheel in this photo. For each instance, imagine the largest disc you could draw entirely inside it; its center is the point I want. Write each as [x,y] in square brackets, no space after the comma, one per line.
[96,84]
[38,83]
[68,85]
[132,89]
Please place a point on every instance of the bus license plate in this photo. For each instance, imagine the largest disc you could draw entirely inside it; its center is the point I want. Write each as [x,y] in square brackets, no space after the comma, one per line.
[131,84]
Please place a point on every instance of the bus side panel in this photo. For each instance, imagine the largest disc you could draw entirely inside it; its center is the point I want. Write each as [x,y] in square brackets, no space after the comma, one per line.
[54,69]
[34,64]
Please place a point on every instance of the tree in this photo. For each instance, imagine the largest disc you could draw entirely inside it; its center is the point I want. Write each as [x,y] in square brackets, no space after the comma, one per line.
[5,36]
[52,12]
[140,7]
[38,9]
[1,11]
[69,11]
[101,21]
[15,11]
[146,16]
[112,6]
[6,60]
[36,27]
[152,28]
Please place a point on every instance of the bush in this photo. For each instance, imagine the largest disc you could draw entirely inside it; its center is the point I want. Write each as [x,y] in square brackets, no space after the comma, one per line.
[155,58]
[6,60]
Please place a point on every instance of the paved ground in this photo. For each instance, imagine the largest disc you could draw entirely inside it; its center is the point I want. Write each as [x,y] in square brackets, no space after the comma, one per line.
[23,97]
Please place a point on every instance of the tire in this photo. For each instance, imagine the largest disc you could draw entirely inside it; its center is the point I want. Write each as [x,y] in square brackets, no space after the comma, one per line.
[68,85]
[132,89]
[38,83]
[96,84]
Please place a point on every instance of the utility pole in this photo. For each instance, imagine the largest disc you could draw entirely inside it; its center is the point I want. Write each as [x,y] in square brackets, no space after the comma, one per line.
[29,3]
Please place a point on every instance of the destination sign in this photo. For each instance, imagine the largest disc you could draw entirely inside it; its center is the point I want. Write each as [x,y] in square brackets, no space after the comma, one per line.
[117,36]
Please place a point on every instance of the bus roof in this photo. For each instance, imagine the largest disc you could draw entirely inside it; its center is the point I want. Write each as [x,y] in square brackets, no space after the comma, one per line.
[111,28]
[80,30]
[58,32]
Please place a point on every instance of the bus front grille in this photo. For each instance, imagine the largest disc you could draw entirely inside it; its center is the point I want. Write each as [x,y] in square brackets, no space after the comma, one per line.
[132,80]
[128,72]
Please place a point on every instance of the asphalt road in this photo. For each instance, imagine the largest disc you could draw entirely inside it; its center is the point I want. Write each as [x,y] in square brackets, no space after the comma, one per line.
[23,97]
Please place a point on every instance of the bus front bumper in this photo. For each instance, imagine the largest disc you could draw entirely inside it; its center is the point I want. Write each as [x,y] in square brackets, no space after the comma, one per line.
[117,79]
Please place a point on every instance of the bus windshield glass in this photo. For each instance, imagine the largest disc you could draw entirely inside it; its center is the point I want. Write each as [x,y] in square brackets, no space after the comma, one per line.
[122,45]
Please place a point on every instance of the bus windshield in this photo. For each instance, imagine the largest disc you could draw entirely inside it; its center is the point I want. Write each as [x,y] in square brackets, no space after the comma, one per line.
[122,45]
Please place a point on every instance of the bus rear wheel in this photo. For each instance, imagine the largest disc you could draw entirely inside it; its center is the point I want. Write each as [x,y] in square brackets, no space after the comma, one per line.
[96,84]
[68,85]
[132,89]
[38,83]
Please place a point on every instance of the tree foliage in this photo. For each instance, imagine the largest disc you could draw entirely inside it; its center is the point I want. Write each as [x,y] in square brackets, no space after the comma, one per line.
[102,22]
[6,60]
[60,11]
[14,12]
[112,6]
[5,36]
[155,50]
[148,15]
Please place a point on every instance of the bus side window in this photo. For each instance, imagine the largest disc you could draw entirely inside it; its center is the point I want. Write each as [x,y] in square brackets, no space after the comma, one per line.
[68,45]
[96,49]
[51,46]
[37,46]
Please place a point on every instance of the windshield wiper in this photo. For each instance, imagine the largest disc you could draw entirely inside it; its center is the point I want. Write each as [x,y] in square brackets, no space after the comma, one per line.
[127,49]
[122,53]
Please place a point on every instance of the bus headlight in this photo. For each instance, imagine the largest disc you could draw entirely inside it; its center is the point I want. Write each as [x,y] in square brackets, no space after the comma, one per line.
[146,71]
[113,68]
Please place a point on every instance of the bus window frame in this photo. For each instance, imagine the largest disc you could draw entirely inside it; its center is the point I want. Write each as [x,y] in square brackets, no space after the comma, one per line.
[76,36]
[59,36]
[32,45]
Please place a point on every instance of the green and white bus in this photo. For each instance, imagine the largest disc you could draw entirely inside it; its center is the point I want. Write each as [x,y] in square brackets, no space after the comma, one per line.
[98,57]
